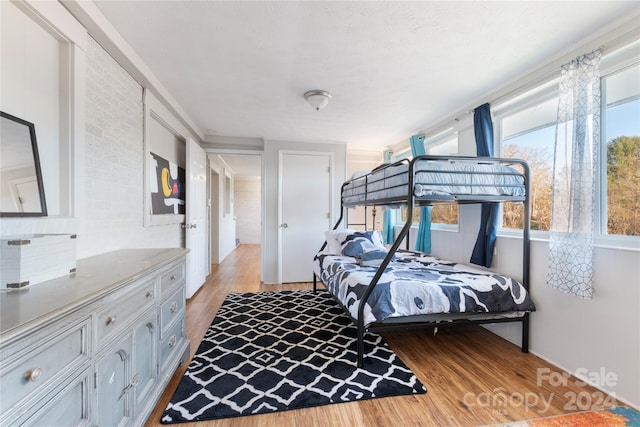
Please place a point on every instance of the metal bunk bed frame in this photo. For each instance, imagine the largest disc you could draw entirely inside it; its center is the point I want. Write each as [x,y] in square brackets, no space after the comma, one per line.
[410,201]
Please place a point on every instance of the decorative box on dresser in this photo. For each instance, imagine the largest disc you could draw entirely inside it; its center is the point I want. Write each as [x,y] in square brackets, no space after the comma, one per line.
[94,348]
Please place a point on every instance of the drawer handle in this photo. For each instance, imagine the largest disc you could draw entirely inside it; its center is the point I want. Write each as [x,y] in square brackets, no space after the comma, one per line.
[173,307]
[33,374]
[149,294]
[173,277]
[111,320]
[133,383]
[172,341]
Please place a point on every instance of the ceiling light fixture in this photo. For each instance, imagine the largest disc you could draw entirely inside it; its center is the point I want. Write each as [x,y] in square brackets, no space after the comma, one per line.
[317,98]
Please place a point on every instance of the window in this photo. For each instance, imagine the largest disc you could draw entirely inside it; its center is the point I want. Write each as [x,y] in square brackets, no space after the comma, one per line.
[621,134]
[529,134]
[445,144]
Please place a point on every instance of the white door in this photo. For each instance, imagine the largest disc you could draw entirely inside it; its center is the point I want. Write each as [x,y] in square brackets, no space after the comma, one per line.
[196,218]
[305,212]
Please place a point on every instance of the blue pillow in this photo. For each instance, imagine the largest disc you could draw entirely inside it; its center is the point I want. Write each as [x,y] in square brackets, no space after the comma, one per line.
[356,243]
[373,257]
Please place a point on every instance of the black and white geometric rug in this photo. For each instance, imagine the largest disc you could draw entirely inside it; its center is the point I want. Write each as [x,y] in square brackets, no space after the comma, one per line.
[275,351]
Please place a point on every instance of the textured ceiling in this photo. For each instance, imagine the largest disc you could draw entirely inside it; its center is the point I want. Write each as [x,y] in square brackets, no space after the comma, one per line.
[241,68]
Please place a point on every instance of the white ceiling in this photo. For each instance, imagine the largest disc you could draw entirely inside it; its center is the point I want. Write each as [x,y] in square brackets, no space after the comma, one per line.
[394,68]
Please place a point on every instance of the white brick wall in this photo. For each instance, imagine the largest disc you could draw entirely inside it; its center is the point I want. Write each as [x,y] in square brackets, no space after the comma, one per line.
[247,210]
[113,204]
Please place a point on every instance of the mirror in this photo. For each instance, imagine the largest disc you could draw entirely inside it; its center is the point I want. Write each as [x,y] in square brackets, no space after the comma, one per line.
[21,188]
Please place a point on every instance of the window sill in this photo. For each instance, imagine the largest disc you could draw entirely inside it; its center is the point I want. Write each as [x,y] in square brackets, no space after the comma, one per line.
[623,243]
[445,227]
[451,228]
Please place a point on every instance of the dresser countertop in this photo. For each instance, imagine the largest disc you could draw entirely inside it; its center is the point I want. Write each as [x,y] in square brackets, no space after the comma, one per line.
[24,309]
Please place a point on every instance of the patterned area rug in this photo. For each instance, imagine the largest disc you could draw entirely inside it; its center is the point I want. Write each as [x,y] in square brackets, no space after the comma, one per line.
[619,416]
[275,351]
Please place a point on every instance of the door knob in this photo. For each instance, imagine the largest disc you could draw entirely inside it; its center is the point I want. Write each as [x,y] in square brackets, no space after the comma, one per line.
[284,225]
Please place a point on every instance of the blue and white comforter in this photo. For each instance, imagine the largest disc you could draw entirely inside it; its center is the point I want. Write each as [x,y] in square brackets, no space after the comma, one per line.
[416,284]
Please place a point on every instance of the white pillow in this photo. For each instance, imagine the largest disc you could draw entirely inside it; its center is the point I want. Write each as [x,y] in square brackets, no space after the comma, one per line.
[376,238]
[333,246]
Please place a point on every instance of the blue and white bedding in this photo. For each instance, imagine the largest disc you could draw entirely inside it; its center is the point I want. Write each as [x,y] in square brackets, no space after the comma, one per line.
[418,284]
[439,179]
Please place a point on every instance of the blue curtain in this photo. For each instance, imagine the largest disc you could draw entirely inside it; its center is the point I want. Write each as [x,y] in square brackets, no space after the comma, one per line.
[417,145]
[388,230]
[423,239]
[388,215]
[483,249]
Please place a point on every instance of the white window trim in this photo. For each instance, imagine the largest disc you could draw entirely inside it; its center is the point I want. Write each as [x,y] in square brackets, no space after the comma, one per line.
[434,225]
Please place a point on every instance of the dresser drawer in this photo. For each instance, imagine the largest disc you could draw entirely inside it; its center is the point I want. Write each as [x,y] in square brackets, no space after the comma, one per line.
[171,309]
[122,308]
[41,367]
[170,278]
[171,343]
[68,406]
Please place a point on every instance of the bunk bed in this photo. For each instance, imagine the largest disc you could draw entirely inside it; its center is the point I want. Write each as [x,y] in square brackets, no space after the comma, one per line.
[400,289]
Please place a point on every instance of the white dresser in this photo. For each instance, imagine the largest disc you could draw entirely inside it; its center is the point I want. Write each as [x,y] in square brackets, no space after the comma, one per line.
[97,348]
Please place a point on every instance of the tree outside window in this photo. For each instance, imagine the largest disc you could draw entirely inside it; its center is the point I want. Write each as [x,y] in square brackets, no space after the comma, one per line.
[622,131]
[529,134]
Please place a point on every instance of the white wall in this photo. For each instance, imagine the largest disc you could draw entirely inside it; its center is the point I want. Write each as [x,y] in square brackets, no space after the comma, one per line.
[248,210]
[114,164]
[601,333]
[226,222]
[271,165]
[93,166]
[30,84]
[166,144]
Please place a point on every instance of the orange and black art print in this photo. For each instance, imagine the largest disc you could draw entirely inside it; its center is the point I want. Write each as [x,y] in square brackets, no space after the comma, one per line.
[167,186]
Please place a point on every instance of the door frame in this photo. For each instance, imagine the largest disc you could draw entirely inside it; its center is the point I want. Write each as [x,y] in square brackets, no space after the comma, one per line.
[262,198]
[214,215]
[281,154]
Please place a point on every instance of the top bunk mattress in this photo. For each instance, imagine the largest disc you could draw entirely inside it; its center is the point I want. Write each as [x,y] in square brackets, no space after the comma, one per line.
[438,180]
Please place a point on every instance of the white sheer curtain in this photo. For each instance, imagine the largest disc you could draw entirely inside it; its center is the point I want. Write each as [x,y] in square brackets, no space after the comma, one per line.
[574,180]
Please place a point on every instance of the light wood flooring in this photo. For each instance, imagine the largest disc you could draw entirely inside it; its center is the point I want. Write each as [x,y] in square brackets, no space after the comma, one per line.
[473,377]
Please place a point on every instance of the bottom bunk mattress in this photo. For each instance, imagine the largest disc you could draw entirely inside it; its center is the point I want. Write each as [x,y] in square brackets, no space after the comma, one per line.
[418,284]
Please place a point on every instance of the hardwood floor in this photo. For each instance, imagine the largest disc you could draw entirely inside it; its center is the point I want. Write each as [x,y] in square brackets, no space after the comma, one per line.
[473,377]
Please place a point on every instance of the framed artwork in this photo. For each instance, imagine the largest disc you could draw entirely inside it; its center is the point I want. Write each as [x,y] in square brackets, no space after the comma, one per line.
[167,187]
